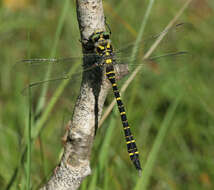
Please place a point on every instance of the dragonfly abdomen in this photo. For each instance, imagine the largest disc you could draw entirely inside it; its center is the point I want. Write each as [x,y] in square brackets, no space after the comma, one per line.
[104,51]
[131,144]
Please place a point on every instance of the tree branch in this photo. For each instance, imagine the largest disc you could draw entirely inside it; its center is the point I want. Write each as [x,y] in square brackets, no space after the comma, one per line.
[75,162]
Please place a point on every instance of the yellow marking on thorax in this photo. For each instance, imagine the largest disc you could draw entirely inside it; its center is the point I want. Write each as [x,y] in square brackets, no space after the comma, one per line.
[111,72]
[108,45]
[101,47]
[108,61]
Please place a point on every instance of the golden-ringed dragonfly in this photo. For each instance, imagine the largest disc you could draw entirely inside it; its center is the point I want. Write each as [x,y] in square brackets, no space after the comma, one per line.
[106,57]
[104,49]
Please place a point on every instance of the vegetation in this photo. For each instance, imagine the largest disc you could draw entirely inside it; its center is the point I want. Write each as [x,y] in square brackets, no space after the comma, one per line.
[169,104]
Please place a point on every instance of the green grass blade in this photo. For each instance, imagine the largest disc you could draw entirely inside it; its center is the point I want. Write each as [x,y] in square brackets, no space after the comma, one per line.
[93,182]
[60,88]
[65,9]
[147,171]
[29,130]
[33,134]
[29,144]
[142,28]
[51,104]
[103,155]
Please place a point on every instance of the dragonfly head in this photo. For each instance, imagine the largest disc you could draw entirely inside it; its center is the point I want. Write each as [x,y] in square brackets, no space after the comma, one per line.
[100,36]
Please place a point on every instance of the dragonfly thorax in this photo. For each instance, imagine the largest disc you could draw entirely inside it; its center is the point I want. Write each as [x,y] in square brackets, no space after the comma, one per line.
[103,48]
[102,43]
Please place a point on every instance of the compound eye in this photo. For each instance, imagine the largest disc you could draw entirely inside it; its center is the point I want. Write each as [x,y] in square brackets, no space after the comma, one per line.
[106,35]
[96,37]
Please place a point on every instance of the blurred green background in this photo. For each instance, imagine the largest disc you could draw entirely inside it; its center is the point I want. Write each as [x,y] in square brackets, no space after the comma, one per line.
[175,93]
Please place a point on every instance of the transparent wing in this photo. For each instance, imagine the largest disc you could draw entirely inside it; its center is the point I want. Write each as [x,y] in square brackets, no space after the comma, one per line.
[155,63]
[68,84]
[126,55]
[122,53]
[67,60]
[67,71]
[34,73]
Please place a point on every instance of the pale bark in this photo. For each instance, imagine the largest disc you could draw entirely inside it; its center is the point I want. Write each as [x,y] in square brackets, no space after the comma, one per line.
[75,162]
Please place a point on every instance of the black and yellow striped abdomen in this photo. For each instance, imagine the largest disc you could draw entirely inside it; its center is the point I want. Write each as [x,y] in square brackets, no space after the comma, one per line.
[104,51]
[131,144]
